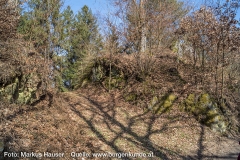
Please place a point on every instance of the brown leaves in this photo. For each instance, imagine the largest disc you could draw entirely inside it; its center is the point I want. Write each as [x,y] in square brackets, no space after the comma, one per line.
[8,19]
[213,36]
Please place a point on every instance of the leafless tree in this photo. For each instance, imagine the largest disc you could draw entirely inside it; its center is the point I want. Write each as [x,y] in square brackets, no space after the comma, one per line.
[148,27]
[212,34]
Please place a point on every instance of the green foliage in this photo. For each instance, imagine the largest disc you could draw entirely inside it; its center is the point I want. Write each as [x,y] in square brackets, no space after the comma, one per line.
[83,70]
[85,38]
[67,20]
[205,111]
[64,37]
[40,23]
[190,101]
[85,43]
[163,104]
[117,80]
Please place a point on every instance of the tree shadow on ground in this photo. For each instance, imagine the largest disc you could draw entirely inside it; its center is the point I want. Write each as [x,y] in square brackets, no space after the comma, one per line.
[109,117]
[201,155]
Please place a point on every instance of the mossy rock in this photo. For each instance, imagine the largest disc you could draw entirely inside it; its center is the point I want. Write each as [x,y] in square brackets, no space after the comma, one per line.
[190,101]
[130,97]
[116,82]
[215,118]
[205,110]
[219,127]
[22,98]
[164,104]
[98,73]
[204,100]
[84,82]
[153,102]
[9,91]
[21,90]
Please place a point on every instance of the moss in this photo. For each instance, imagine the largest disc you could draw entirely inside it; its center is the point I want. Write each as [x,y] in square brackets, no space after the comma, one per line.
[110,85]
[171,98]
[117,82]
[212,117]
[212,113]
[203,105]
[165,103]
[205,110]
[21,89]
[24,97]
[219,127]
[204,100]
[63,89]
[189,103]
[1,91]
[190,100]
[21,98]
[9,91]
[153,102]
[85,82]
[130,97]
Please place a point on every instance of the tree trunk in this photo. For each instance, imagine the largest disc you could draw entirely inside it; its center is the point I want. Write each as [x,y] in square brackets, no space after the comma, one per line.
[142,27]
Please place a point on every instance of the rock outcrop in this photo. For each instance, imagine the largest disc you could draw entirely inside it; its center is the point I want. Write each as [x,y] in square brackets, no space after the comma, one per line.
[206,110]
[21,74]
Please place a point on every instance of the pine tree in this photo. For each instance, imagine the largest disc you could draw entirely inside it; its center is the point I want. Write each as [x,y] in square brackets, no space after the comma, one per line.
[64,38]
[85,41]
[40,24]
[85,37]
[67,20]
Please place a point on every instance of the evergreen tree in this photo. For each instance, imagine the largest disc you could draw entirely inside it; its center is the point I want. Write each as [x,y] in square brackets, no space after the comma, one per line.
[85,37]
[85,40]
[40,24]
[64,38]
[67,20]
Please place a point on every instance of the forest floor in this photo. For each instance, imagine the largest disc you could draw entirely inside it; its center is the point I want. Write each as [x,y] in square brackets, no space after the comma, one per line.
[90,121]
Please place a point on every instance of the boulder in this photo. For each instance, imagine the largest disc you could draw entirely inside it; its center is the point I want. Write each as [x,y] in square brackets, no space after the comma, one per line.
[163,104]
[206,110]
[23,90]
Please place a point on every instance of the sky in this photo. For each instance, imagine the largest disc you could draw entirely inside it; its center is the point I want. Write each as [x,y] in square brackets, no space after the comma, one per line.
[102,7]
[97,6]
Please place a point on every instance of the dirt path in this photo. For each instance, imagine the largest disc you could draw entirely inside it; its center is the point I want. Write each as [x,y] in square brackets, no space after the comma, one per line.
[121,128]
[102,123]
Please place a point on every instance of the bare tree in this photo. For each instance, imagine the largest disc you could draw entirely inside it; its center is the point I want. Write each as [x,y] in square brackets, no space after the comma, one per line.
[148,27]
[213,36]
